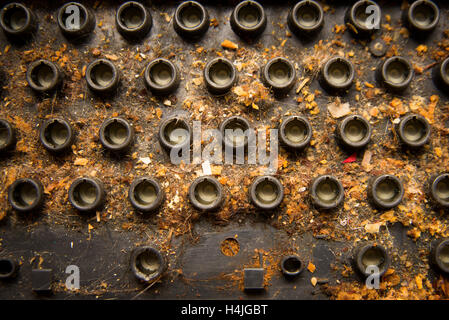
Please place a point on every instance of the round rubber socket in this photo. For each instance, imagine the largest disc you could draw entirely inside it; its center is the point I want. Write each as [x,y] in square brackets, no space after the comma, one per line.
[385,191]
[248,19]
[102,76]
[306,17]
[162,77]
[326,192]
[116,134]
[295,132]
[43,76]
[413,131]
[337,75]
[146,194]
[354,132]
[174,132]
[206,194]
[26,195]
[291,266]
[75,20]
[191,20]
[219,75]
[423,16]
[133,20]
[235,132]
[17,20]
[439,190]
[86,194]
[359,16]
[279,74]
[395,73]
[372,258]
[8,268]
[7,136]
[56,135]
[147,263]
[266,192]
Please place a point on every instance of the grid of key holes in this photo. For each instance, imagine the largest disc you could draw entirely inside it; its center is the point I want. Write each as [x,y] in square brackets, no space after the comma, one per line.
[233,239]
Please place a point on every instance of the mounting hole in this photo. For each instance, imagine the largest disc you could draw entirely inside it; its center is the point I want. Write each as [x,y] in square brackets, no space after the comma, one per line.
[230,247]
